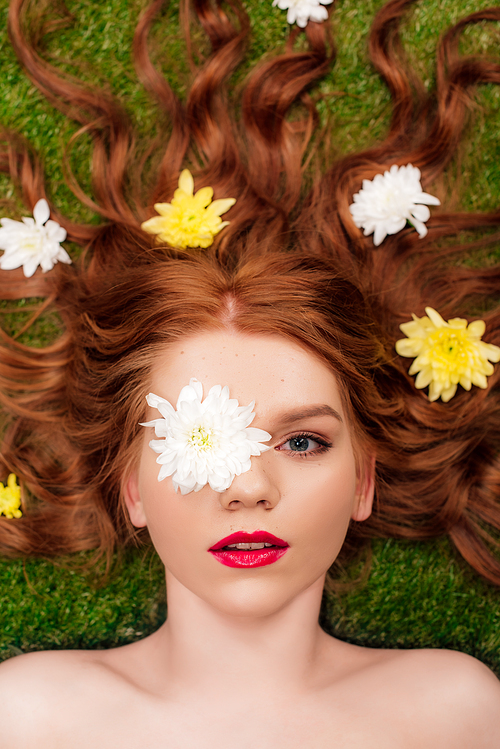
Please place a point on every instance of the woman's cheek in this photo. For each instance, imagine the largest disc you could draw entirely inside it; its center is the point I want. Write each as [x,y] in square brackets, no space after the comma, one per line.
[322,498]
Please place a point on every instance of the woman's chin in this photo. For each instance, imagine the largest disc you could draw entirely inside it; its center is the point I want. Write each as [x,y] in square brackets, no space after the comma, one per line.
[251,604]
[255,598]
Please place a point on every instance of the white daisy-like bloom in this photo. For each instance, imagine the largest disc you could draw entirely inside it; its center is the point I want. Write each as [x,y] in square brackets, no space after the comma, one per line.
[389,200]
[33,242]
[302,11]
[204,442]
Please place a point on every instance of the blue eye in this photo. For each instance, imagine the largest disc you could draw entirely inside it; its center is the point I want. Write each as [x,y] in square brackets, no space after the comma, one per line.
[303,445]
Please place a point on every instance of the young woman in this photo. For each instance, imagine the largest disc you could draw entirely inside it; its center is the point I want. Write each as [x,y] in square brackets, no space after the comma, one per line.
[244,406]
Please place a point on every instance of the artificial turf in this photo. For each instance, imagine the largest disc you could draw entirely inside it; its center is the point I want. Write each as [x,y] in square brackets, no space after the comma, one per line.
[417,595]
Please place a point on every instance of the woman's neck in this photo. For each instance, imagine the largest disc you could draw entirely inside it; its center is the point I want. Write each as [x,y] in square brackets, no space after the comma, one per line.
[202,650]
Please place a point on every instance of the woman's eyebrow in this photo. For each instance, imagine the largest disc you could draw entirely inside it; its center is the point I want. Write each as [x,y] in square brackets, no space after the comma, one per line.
[309,412]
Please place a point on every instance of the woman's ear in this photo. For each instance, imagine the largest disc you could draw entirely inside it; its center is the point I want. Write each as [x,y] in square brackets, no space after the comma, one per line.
[365,489]
[134,502]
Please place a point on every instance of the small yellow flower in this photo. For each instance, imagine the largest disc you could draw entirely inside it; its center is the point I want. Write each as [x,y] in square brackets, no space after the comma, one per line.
[189,220]
[447,353]
[10,498]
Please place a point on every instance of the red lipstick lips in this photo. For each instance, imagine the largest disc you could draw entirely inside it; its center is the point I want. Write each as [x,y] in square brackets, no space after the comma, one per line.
[249,557]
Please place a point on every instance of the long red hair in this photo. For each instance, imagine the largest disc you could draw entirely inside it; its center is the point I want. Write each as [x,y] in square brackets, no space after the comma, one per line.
[290,262]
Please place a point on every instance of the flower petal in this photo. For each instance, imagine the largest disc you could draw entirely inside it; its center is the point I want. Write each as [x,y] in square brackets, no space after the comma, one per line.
[424,197]
[10,262]
[218,207]
[448,394]
[408,346]
[479,380]
[423,378]
[164,209]
[257,435]
[203,197]
[41,212]
[420,213]
[186,182]
[30,266]
[477,328]
[420,227]
[490,351]
[379,235]
[435,317]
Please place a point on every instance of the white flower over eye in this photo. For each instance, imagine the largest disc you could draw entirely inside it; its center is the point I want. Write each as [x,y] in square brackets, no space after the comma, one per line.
[33,242]
[389,200]
[204,442]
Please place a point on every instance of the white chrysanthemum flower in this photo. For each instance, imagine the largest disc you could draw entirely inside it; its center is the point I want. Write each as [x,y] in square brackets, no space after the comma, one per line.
[389,200]
[206,441]
[302,11]
[33,242]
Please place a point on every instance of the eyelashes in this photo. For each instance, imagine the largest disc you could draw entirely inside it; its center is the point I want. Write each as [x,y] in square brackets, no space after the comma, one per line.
[304,445]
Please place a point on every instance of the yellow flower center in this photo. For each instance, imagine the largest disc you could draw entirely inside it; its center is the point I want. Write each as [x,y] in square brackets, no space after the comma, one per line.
[202,439]
[31,243]
[451,348]
[188,218]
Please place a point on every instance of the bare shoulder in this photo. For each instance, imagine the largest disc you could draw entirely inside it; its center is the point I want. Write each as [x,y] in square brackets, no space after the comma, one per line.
[37,690]
[423,698]
[48,667]
[455,670]
[457,696]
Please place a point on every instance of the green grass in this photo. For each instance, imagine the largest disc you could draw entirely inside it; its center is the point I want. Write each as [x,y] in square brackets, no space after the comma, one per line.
[45,606]
[417,595]
[15,316]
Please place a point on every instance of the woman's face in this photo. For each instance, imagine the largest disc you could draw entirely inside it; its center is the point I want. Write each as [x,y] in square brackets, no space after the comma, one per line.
[304,490]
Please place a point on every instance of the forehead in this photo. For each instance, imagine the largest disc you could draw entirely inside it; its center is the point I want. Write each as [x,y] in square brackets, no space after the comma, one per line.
[273,371]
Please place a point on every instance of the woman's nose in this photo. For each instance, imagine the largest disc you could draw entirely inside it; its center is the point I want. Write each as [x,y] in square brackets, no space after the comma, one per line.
[252,488]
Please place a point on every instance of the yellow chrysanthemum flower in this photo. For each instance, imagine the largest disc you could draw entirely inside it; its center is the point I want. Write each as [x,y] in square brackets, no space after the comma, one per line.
[447,354]
[189,220]
[10,498]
